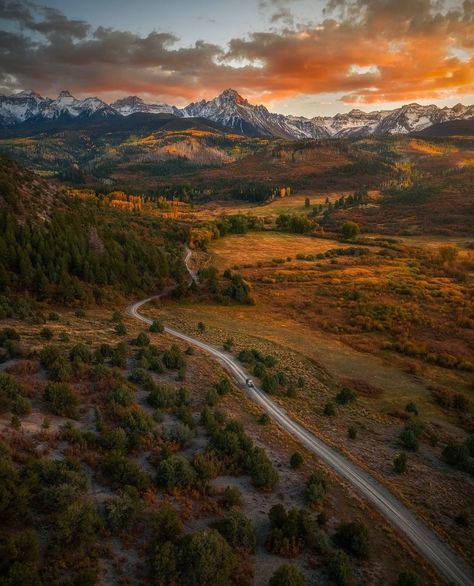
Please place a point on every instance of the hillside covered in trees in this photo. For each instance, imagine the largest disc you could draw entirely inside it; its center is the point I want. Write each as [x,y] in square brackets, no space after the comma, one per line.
[57,248]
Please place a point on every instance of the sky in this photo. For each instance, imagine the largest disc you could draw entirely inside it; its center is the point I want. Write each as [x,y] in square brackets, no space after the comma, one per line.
[302,57]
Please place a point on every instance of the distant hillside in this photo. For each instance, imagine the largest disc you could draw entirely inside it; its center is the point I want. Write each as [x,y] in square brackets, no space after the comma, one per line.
[451,128]
[97,125]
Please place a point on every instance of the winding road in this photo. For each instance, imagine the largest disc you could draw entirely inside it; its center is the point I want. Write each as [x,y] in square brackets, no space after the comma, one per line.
[448,563]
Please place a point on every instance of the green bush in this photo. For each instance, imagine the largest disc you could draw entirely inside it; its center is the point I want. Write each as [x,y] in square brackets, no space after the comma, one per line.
[400,463]
[124,511]
[456,454]
[12,396]
[223,387]
[231,497]
[120,472]
[175,472]
[339,568]
[157,327]
[238,530]
[329,409]
[165,524]
[207,559]
[352,432]
[47,333]
[293,530]
[296,460]
[78,526]
[350,230]
[316,488]
[287,576]
[62,400]
[354,538]
[345,396]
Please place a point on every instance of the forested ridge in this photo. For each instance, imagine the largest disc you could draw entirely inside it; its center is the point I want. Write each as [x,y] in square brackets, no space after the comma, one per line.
[73,252]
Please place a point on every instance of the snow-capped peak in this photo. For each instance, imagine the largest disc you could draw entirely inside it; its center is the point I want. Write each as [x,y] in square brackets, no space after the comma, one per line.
[233,111]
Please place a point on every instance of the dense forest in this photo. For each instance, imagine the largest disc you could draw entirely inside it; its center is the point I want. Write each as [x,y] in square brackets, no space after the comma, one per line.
[79,248]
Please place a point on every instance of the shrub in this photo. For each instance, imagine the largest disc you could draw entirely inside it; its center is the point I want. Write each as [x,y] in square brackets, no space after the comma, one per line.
[181,433]
[354,538]
[12,396]
[124,511]
[409,437]
[231,497]
[201,328]
[316,488]
[47,334]
[120,396]
[120,329]
[62,400]
[166,524]
[79,526]
[238,531]
[119,472]
[223,387]
[207,559]
[456,454]
[261,470]
[350,230]
[408,579]
[164,564]
[291,531]
[212,397]
[339,568]
[329,409]
[115,439]
[264,419]
[270,383]
[462,519]
[345,396]
[173,358]
[352,432]
[141,340]
[81,353]
[400,463]
[296,460]
[411,408]
[287,576]
[175,471]
[157,327]
[119,356]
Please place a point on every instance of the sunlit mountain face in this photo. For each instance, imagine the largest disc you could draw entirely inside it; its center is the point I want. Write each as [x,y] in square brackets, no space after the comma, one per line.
[27,109]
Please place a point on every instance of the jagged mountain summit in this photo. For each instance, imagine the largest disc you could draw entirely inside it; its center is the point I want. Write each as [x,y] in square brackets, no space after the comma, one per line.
[30,106]
[135,105]
[232,111]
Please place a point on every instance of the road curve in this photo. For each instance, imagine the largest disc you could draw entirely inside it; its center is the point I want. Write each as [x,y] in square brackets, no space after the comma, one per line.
[441,556]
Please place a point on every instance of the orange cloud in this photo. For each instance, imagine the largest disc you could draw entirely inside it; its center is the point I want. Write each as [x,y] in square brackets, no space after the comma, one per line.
[369,50]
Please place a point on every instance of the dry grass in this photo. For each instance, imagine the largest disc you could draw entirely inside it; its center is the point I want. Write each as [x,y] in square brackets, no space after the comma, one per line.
[257,247]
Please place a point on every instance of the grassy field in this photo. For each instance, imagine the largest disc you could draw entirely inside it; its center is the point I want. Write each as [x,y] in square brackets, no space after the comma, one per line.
[265,247]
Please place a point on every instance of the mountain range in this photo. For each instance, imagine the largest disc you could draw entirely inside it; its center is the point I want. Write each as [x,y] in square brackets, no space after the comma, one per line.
[230,111]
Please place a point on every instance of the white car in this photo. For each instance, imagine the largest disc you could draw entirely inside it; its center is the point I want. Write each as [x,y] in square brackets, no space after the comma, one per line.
[249,382]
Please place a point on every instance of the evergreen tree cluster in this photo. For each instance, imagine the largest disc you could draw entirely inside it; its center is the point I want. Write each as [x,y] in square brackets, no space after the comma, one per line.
[61,249]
